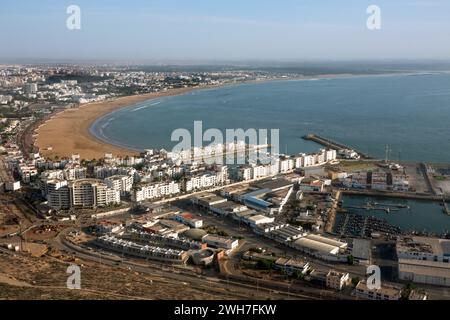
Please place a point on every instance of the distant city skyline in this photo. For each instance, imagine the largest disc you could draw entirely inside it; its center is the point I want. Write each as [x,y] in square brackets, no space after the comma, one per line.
[167,31]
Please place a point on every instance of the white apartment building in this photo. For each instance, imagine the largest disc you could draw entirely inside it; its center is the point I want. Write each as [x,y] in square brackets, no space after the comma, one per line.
[244,173]
[92,193]
[155,191]
[75,173]
[308,160]
[52,174]
[122,183]
[330,155]
[49,185]
[286,165]
[103,172]
[206,180]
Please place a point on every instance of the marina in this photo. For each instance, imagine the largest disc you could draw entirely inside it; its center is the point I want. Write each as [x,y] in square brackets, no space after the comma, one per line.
[409,215]
[355,225]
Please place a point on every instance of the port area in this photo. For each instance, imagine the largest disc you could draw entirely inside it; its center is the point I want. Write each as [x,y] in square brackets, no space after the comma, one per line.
[333,144]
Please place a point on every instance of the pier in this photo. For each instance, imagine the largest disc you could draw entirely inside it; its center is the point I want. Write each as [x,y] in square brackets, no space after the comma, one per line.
[333,144]
[332,213]
[445,206]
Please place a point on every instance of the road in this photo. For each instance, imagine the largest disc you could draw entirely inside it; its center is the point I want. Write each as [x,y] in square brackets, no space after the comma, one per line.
[176,274]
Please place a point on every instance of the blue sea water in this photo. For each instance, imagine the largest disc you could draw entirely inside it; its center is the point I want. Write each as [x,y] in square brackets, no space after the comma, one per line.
[410,113]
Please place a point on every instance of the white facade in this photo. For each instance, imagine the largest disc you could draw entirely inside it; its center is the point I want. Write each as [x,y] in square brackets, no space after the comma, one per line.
[337,280]
[220,242]
[92,193]
[48,186]
[155,191]
[424,248]
[75,173]
[206,180]
[120,182]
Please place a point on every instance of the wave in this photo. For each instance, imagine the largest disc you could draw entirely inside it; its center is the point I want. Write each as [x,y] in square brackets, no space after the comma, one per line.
[146,106]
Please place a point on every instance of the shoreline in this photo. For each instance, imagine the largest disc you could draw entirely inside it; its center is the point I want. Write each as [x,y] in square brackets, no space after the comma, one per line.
[69,131]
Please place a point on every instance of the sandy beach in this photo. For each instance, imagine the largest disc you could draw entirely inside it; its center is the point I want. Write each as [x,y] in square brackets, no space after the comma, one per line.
[67,132]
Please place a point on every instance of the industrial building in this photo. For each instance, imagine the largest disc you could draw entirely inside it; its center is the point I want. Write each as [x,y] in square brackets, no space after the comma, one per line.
[207,200]
[425,272]
[187,219]
[146,252]
[319,246]
[220,242]
[256,220]
[292,266]
[423,248]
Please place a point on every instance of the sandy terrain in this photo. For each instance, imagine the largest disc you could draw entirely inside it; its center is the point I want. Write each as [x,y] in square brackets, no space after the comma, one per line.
[68,133]
[23,276]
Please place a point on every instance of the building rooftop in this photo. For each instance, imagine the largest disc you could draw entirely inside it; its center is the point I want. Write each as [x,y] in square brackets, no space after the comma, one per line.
[362,249]
[330,241]
[423,244]
[213,238]
[295,263]
[384,290]
[273,184]
[316,246]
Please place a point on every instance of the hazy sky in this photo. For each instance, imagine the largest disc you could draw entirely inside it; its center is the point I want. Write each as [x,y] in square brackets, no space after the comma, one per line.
[225,30]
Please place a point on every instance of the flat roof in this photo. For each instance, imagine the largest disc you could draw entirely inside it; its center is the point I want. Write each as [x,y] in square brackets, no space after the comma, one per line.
[386,289]
[258,217]
[290,262]
[214,238]
[227,204]
[362,249]
[273,184]
[424,244]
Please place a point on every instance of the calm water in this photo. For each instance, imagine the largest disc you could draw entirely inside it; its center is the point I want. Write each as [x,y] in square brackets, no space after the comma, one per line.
[409,113]
[421,215]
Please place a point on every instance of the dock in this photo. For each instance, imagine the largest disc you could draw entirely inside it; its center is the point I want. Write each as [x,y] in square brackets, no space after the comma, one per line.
[333,144]
[445,206]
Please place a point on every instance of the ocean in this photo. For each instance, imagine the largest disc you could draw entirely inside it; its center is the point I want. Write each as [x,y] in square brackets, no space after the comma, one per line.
[410,113]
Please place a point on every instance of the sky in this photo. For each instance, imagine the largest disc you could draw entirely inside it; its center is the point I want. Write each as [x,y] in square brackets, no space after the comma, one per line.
[228,30]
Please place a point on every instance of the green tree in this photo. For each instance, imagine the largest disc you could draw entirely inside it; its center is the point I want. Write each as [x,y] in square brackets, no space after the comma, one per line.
[350,260]
[355,281]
